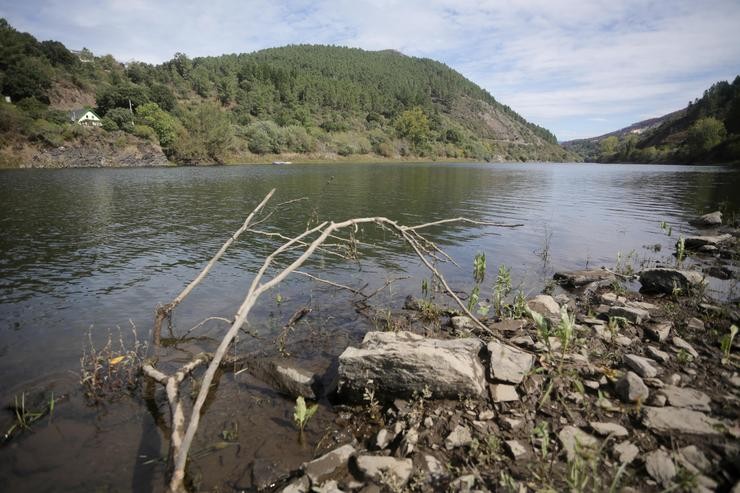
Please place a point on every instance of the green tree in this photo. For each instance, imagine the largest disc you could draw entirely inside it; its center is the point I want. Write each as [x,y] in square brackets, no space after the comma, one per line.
[163,124]
[28,77]
[208,134]
[609,145]
[704,135]
[413,124]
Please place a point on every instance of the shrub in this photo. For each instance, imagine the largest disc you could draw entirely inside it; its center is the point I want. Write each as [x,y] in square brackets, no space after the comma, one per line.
[145,132]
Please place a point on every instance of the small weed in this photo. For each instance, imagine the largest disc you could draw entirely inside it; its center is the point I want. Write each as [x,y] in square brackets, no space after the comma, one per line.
[566,328]
[541,432]
[26,417]
[684,356]
[501,290]
[479,267]
[302,414]
[231,434]
[667,228]
[726,344]
[680,250]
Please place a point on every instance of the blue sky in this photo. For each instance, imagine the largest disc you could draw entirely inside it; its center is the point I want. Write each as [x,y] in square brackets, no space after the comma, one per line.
[580,68]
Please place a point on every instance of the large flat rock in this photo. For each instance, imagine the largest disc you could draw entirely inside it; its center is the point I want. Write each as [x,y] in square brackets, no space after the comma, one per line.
[663,280]
[398,364]
[680,420]
[509,363]
[696,242]
[579,278]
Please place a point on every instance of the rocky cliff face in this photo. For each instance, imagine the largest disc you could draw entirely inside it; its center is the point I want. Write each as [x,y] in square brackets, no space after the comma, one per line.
[95,150]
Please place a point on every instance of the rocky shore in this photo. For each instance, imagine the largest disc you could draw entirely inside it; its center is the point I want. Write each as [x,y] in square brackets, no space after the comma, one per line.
[596,389]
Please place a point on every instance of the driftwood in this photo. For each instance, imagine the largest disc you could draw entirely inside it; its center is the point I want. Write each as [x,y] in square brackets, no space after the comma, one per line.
[182,432]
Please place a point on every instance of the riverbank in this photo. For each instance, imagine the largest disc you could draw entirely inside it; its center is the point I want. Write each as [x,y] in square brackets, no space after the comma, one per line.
[597,388]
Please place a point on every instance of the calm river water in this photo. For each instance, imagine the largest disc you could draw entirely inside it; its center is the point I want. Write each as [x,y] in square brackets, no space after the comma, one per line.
[91,250]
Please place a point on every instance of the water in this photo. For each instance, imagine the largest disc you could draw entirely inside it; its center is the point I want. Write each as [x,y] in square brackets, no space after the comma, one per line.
[95,249]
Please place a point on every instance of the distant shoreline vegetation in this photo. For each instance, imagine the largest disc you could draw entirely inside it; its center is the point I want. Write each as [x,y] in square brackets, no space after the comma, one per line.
[296,100]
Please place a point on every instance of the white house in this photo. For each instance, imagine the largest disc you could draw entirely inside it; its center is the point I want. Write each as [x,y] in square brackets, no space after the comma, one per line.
[85,117]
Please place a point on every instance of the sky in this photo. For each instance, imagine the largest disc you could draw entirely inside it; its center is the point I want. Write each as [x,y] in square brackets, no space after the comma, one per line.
[580,68]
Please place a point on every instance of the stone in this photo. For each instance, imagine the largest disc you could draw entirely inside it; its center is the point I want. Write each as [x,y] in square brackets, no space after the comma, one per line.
[660,466]
[328,487]
[657,354]
[685,397]
[409,441]
[463,484]
[511,424]
[708,220]
[428,422]
[322,468]
[386,470]
[545,305]
[655,383]
[609,298]
[523,341]
[657,400]
[266,474]
[463,324]
[503,393]
[403,363]
[697,242]
[662,280]
[631,388]
[626,452]
[673,379]
[682,344]
[508,363]
[515,448]
[659,331]
[642,366]
[606,429]
[486,415]
[643,305]
[634,315]
[285,378]
[300,485]
[382,439]
[680,420]
[574,439]
[459,437]
[693,459]
[508,325]
[579,278]
[435,467]
[695,324]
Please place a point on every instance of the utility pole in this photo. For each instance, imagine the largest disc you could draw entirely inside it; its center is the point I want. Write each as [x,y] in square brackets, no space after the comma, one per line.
[131,110]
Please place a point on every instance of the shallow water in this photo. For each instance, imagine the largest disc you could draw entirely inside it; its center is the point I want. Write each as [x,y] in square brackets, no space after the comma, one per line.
[96,249]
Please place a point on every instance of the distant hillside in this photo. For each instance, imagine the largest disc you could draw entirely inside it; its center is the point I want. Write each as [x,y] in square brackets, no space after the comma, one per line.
[295,102]
[706,131]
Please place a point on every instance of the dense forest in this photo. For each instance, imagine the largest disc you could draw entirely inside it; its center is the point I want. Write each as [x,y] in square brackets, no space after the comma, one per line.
[706,131]
[305,100]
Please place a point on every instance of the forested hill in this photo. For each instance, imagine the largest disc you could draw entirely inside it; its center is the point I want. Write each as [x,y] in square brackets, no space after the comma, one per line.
[305,101]
[706,131]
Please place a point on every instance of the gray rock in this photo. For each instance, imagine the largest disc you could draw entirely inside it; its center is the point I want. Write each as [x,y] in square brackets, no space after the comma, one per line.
[285,378]
[657,400]
[486,415]
[642,366]
[511,424]
[382,439]
[666,280]
[515,448]
[401,363]
[459,437]
[659,331]
[680,420]
[435,467]
[657,354]
[387,470]
[320,469]
[508,363]
[503,393]
[633,314]
[697,242]
[625,452]
[685,397]
[660,466]
[695,324]
[693,459]
[463,484]
[266,474]
[631,388]
[508,325]
[300,485]
[328,487]
[545,305]
[605,429]
[643,305]
[579,278]
[708,220]
[463,324]
[682,344]
[409,441]
[575,440]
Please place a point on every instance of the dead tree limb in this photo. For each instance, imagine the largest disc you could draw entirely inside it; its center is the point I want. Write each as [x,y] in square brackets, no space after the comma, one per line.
[312,240]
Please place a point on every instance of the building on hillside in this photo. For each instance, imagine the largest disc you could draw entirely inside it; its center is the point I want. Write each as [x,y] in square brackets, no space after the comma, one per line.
[85,117]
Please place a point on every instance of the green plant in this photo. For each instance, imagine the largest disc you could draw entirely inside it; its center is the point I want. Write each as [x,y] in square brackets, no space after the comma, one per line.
[26,417]
[566,328]
[501,289]
[519,306]
[726,343]
[302,414]
[680,249]
[231,434]
[667,228]
[541,324]
[684,357]
[479,267]
[474,297]
[541,432]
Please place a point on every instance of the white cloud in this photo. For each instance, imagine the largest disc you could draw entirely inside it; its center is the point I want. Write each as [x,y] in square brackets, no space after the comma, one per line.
[561,63]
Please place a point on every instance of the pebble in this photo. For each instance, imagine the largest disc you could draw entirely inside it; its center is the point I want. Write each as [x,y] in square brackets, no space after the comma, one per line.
[459,437]
[682,344]
[503,393]
[660,466]
[642,366]
[606,429]
[626,452]
[631,388]
[657,354]
[515,448]
[570,436]
[659,332]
